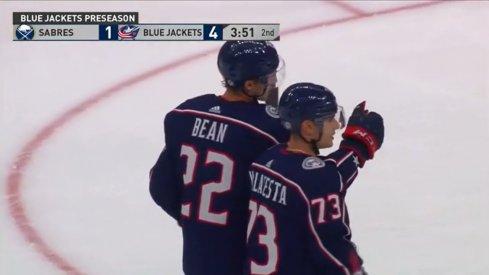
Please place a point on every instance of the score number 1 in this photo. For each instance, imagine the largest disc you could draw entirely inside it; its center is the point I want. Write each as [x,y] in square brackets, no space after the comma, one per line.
[108,32]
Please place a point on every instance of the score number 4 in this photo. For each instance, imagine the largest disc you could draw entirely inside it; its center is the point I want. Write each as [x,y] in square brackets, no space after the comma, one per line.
[212,32]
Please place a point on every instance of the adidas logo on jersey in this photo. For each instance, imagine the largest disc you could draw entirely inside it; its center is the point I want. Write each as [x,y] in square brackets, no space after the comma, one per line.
[269,164]
[215,109]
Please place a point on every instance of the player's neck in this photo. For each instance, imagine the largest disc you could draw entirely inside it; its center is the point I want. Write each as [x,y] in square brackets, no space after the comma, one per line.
[236,96]
[298,145]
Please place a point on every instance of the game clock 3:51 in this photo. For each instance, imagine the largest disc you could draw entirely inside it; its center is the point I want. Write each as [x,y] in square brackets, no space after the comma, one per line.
[242,32]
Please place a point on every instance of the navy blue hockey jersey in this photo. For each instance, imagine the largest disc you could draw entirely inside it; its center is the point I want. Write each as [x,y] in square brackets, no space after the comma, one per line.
[298,221]
[200,178]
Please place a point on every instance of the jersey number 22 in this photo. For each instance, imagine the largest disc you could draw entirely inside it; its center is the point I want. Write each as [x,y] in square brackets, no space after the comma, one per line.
[208,189]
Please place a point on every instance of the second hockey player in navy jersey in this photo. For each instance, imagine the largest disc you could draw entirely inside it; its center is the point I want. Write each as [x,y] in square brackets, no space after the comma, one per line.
[200,178]
[298,221]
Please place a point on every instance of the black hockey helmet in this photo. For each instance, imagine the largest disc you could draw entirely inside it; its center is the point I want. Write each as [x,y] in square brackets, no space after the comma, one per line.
[308,101]
[239,61]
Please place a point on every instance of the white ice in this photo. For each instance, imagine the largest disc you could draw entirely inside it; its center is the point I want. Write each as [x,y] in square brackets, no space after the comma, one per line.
[420,207]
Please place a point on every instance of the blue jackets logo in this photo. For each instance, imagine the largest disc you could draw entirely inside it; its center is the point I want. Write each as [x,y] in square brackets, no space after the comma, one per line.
[272,111]
[128,32]
[312,163]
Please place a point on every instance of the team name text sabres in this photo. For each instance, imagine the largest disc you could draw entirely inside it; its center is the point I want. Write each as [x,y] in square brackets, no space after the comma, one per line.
[55,32]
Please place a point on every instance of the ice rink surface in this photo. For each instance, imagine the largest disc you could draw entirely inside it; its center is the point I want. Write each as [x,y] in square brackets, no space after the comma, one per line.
[81,125]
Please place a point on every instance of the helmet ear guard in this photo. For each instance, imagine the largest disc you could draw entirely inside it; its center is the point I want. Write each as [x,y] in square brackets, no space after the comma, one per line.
[230,83]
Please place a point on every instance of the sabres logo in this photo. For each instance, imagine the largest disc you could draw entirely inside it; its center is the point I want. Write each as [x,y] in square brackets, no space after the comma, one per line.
[24,32]
[128,32]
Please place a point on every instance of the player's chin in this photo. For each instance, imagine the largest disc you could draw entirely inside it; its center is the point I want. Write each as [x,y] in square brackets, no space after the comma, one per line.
[331,141]
[327,143]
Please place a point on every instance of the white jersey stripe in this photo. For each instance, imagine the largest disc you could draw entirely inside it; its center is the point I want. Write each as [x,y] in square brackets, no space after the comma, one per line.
[342,185]
[344,158]
[344,212]
[348,181]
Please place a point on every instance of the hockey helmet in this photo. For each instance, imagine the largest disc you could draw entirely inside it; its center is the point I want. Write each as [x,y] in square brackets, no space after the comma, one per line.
[308,101]
[239,61]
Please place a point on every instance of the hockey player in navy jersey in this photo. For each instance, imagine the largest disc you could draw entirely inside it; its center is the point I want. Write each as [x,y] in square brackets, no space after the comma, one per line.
[298,221]
[200,178]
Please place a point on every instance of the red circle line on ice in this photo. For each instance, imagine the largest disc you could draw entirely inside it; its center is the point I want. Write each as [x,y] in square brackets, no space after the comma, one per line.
[23,158]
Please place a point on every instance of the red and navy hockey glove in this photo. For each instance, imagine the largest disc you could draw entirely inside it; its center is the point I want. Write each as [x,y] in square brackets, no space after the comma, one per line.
[364,133]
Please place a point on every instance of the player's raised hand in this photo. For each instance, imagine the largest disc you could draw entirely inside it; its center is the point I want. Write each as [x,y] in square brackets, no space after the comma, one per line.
[364,133]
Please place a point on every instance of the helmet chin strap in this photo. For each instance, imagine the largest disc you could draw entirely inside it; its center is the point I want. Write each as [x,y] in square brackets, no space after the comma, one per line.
[313,143]
[264,91]
[243,89]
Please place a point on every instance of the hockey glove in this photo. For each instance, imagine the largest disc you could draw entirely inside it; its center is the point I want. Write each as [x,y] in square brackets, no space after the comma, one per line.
[364,133]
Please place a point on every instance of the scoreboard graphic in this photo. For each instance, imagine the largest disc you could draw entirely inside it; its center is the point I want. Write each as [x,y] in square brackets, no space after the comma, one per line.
[125,26]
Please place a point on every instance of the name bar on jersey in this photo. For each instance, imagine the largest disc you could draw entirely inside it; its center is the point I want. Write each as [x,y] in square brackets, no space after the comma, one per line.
[64,18]
[145,32]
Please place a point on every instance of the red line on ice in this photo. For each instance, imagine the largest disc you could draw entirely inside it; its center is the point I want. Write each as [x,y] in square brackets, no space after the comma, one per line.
[362,16]
[347,7]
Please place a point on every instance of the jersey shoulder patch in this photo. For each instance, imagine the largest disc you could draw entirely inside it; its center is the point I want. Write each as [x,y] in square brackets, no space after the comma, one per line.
[312,163]
[271,111]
